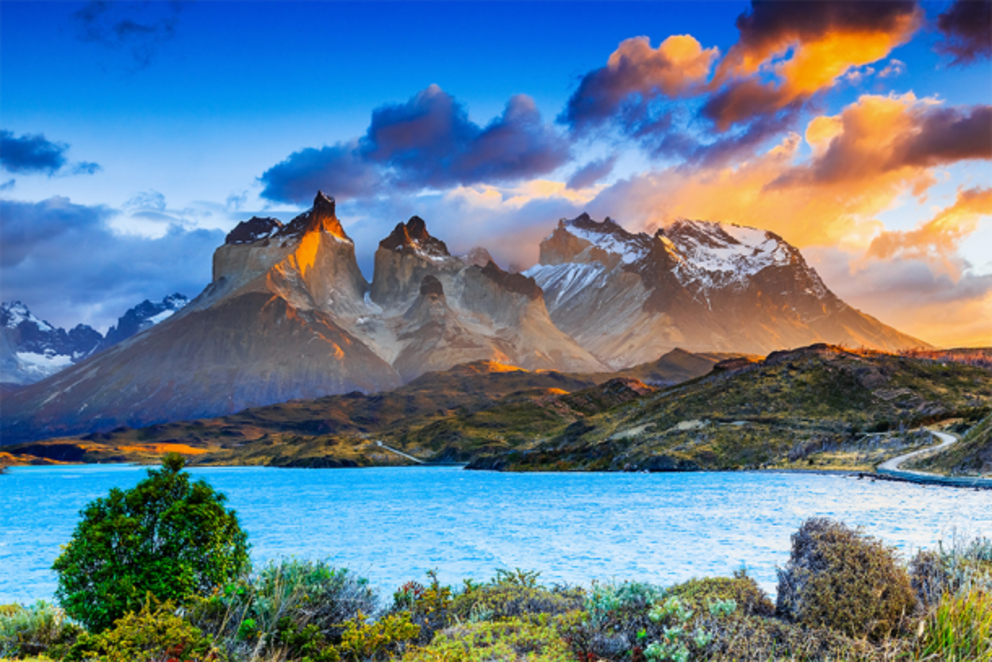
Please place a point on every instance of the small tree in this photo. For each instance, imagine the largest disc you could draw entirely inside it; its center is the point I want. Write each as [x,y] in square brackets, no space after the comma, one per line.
[166,536]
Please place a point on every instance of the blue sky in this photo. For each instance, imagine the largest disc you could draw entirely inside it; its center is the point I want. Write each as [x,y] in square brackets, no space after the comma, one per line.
[185,106]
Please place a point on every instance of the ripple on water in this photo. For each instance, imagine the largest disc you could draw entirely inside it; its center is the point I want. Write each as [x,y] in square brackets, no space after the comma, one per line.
[393,525]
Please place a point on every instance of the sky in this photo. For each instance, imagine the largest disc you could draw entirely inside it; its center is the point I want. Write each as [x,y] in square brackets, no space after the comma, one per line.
[135,135]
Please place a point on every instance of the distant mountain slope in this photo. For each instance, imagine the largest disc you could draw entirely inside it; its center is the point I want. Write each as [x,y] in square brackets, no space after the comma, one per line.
[454,414]
[697,285]
[784,408]
[31,349]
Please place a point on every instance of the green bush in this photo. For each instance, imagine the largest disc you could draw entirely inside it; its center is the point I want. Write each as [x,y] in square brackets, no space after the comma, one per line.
[297,606]
[839,578]
[154,634]
[506,641]
[166,536]
[41,628]
[699,594]
[513,595]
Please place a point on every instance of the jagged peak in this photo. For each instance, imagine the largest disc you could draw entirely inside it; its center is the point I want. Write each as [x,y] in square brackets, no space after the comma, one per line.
[478,256]
[320,218]
[431,286]
[513,282]
[413,236]
[254,229]
[606,235]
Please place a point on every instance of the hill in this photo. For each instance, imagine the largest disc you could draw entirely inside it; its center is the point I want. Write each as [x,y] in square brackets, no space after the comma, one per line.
[794,407]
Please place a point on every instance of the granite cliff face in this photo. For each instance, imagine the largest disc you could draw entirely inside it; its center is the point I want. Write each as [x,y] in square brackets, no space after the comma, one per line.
[704,287]
[288,315]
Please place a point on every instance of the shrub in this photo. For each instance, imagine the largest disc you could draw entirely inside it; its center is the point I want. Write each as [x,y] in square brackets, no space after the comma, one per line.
[40,628]
[154,634]
[295,606]
[429,606]
[839,578]
[506,641]
[513,595]
[365,641]
[166,536]
[699,594]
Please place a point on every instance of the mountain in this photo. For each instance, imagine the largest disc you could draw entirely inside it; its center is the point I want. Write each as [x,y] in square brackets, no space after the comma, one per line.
[289,315]
[32,349]
[697,285]
[143,316]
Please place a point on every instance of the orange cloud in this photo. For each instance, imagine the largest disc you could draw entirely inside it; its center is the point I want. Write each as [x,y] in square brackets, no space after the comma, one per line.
[804,48]
[938,238]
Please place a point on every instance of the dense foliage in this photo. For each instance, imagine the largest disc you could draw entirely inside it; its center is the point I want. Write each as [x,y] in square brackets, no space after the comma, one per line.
[167,536]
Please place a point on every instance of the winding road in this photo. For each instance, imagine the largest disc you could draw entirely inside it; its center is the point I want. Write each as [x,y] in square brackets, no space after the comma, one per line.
[891,468]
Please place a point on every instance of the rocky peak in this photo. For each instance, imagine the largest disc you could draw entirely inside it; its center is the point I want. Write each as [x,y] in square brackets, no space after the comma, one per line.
[431,286]
[584,240]
[413,237]
[517,283]
[715,255]
[478,256]
[254,229]
[321,218]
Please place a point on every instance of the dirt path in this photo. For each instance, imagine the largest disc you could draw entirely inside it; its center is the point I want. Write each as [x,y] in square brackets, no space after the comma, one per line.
[891,467]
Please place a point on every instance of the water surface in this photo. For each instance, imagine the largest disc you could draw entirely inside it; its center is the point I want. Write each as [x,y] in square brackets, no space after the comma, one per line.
[393,524]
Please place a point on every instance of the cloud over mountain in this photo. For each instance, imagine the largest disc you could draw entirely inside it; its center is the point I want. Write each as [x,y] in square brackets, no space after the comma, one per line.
[67,262]
[427,142]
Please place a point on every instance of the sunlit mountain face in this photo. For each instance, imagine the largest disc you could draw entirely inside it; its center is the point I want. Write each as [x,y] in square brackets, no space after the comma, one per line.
[824,165]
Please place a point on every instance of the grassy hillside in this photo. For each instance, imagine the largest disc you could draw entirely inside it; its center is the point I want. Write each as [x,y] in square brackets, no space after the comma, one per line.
[816,407]
[440,415]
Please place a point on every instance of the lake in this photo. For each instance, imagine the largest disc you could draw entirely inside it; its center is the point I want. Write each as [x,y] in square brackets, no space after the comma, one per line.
[393,524]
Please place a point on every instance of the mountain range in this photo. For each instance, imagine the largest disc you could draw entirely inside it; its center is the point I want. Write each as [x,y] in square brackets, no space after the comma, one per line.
[289,315]
[32,349]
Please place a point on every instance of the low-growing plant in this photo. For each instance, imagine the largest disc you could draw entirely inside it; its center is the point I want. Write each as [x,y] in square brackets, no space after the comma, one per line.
[840,578]
[513,595]
[511,640]
[292,608]
[156,633]
[429,606]
[742,589]
[371,641]
[959,629]
[40,628]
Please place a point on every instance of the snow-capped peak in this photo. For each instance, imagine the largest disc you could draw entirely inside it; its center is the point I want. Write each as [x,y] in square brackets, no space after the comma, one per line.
[709,254]
[14,313]
[606,236]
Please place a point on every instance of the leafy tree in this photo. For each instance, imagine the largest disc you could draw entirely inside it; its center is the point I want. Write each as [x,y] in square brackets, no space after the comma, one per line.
[167,536]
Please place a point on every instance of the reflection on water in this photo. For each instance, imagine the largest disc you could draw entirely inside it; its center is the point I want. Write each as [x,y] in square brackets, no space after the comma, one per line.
[394,524]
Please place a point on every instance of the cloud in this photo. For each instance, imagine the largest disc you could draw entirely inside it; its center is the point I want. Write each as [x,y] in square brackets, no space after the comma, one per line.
[68,265]
[8,185]
[634,76]
[137,29]
[35,154]
[911,294]
[790,51]
[427,142]
[965,27]
[937,240]
[146,200]
[592,172]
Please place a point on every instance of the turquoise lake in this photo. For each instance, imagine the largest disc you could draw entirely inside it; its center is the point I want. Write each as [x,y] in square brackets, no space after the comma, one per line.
[394,524]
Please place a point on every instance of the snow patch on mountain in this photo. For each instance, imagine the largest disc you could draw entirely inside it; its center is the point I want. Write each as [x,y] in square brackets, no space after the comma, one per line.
[564,281]
[15,313]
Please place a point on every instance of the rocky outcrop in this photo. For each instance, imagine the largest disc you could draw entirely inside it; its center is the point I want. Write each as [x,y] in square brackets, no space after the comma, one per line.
[629,298]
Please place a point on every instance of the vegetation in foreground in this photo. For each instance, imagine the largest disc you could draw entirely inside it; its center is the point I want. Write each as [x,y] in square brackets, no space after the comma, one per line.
[842,595]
